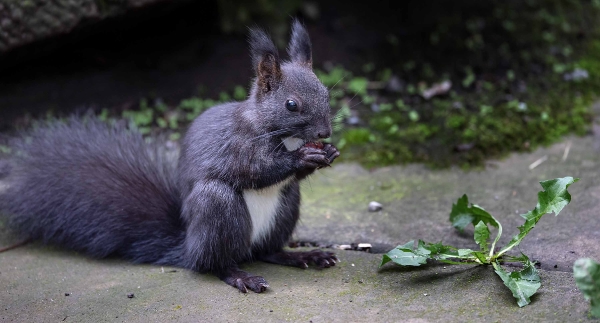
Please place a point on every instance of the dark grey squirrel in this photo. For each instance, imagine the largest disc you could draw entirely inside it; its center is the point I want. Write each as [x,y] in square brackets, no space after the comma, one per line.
[233,197]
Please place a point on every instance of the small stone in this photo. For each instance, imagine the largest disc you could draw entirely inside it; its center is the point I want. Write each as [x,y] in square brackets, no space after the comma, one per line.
[375,206]
[67,294]
[437,89]
[130,295]
[270,311]
[577,75]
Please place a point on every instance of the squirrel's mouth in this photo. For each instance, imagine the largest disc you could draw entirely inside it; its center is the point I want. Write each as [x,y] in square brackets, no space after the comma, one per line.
[292,143]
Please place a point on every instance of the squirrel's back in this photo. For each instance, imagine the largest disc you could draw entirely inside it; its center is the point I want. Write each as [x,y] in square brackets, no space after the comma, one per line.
[95,188]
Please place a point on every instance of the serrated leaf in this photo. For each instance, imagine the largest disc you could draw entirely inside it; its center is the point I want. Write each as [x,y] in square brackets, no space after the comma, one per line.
[462,214]
[404,255]
[523,284]
[409,255]
[481,236]
[555,195]
[587,277]
[553,199]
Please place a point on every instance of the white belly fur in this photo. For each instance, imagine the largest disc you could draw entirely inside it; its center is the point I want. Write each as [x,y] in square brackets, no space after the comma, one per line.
[262,205]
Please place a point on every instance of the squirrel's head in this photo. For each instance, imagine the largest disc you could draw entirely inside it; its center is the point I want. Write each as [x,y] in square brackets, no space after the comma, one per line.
[291,101]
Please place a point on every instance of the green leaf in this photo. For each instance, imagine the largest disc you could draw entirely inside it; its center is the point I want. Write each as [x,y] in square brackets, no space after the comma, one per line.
[413,116]
[587,277]
[553,199]
[481,257]
[403,255]
[522,283]
[358,85]
[239,93]
[481,236]
[161,122]
[408,255]
[462,214]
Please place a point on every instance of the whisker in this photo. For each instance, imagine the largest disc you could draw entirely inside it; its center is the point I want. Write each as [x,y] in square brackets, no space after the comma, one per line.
[339,112]
[336,83]
[336,93]
[277,147]
[272,133]
[361,101]
[352,97]
[338,117]
[281,143]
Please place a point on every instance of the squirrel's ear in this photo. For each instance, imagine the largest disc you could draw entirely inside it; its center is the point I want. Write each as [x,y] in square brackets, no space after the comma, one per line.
[300,49]
[265,59]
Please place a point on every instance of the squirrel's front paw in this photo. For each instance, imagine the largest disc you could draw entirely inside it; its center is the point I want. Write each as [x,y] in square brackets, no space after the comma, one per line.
[312,158]
[331,152]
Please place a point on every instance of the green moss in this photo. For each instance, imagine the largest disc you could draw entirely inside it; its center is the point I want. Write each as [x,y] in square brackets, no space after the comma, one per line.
[492,108]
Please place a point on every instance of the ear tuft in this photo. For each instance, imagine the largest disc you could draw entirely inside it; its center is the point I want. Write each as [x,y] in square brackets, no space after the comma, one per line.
[300,48]
[265,59]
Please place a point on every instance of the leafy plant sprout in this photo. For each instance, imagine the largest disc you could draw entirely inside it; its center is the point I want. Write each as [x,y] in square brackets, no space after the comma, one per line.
[524,283]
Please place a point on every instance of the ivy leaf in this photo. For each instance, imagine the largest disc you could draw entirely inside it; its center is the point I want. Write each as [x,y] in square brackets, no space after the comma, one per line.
[462,214]
[481,236]
[522,283]
[587,277]
[553,199]
[404,255]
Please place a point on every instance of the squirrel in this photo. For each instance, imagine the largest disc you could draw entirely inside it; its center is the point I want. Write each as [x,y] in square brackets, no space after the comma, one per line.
[233,197]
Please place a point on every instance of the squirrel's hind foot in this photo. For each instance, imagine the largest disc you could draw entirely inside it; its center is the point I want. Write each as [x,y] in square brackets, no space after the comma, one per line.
[317,257]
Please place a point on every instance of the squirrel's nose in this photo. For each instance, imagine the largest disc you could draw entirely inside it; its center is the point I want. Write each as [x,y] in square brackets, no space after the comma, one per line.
[324,134]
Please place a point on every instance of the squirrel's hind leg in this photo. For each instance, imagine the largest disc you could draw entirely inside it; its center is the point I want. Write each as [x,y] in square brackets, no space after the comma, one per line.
[273,252]
[218,234]
[301,259]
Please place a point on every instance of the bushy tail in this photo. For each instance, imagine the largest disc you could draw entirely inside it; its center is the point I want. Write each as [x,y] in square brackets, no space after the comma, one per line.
[96,188]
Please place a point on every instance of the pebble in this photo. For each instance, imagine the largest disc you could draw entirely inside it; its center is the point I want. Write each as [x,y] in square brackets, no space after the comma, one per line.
[375,206]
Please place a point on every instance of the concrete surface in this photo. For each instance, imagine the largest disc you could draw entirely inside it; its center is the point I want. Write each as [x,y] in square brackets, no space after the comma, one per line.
[416,201]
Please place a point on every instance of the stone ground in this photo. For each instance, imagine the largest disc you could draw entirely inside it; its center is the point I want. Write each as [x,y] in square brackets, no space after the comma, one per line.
[416,201]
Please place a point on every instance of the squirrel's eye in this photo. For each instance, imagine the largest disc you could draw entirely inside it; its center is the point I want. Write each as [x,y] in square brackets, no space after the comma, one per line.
[291,105]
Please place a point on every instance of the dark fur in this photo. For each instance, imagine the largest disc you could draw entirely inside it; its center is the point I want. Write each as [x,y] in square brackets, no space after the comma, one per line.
[100,189]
